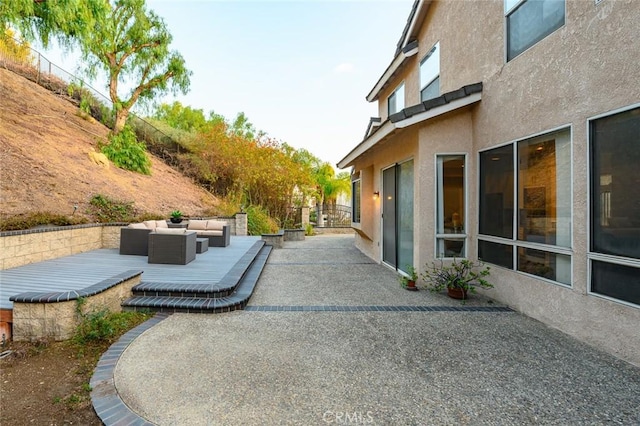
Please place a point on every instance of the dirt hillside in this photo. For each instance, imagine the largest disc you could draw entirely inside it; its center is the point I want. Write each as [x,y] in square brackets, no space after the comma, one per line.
[45,162]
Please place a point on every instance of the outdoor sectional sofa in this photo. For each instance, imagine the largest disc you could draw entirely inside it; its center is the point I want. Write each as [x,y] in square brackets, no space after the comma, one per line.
[134,239]
[217,231]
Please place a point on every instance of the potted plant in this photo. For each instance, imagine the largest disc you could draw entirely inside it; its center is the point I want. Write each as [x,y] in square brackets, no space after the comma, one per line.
[176,216]
[409,281]
[458,278]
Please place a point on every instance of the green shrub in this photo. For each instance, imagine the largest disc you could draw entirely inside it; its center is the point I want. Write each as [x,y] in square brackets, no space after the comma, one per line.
[30,220]
[102,325]
[259,222]
[104,209]
[146,216]
[126,152]
[309,230]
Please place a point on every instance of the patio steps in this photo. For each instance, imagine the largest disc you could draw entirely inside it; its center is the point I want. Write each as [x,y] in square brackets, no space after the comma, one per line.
[230,294]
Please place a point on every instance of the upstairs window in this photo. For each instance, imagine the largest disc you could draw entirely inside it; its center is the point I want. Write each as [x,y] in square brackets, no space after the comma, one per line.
[529,21]
[396,100]
[430,74]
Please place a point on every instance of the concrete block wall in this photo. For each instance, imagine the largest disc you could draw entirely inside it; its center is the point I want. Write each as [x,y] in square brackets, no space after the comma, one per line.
[58,320]
[19,248]
[242,227]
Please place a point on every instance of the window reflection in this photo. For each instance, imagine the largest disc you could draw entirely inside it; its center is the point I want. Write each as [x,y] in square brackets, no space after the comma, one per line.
[451,196]
[544,190]
[544,264]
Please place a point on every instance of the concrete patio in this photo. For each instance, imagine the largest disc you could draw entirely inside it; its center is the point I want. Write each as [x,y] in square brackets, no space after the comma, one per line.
[330,337]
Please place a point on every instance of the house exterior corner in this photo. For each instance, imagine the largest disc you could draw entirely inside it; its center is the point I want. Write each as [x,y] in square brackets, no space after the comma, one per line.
[509,132]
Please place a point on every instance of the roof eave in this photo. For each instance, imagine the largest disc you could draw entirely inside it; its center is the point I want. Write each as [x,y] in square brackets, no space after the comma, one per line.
[418,12]
[416,114]
[391,70]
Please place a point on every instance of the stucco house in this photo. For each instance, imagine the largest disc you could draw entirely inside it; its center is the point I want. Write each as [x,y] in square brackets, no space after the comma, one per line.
[509,131]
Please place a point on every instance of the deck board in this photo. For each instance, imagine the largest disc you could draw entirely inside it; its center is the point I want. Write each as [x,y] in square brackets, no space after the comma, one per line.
[78,271]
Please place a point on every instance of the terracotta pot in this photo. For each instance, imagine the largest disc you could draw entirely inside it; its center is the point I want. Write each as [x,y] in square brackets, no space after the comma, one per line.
[411,286]
[457,293]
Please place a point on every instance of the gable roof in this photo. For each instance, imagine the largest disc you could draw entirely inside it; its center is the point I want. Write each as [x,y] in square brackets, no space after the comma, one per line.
[407,46]
[414,114]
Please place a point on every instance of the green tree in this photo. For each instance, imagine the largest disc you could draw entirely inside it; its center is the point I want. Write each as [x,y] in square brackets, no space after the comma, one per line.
[18,51]
[340,184]
[243,128]
[131,44]
[329,185]
[181,117]
[66,20]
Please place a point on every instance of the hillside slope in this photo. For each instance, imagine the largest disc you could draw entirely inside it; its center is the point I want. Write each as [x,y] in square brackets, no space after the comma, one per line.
[45,163]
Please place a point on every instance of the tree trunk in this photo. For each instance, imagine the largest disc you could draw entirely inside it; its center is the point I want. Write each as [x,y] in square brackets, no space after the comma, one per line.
[121,120]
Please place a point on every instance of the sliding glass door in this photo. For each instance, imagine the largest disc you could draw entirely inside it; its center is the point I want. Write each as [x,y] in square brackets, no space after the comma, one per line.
[397,215]
[389,238]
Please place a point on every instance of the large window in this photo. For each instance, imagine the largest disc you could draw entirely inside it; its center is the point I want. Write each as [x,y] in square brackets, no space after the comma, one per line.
[396,100]
[525,206]
[430,74]
[615,205]
[451,211]
[529,21]
[355,201]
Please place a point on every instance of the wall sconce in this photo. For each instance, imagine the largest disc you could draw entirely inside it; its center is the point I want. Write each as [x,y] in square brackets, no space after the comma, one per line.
[376,195]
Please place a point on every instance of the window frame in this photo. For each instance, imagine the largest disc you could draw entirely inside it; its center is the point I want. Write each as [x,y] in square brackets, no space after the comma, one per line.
[395,96]
[508,11]
[513,241]
[464,236]
[591,255]
[423,85]
[357,202]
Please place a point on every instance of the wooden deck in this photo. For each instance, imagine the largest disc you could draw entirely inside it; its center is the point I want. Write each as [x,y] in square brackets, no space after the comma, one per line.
[84,269]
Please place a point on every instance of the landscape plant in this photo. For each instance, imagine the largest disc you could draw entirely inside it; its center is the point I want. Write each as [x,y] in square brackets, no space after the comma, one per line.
[105,209]
[309,231]
[409,280]
[103,325]
[259,222]
[126,152]
[464,275]
[33,219]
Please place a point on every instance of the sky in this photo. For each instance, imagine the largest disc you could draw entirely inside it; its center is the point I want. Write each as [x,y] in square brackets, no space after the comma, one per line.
[299,70]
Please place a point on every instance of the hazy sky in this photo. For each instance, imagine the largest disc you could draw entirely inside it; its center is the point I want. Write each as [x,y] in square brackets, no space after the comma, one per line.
[299,70]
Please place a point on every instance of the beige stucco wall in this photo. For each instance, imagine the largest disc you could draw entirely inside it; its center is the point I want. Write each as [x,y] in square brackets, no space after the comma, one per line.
[582,70]
[448,134]
[586,68]
[404,147]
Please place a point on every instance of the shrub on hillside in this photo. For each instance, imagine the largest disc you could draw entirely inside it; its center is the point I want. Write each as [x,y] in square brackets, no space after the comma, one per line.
[30,220]
[153,132]
[105,209]
[126,152]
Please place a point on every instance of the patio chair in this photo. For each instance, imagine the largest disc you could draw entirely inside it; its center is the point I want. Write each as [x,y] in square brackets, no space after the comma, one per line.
[172,246]
[134,239]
